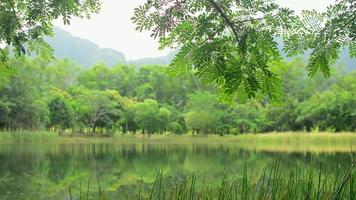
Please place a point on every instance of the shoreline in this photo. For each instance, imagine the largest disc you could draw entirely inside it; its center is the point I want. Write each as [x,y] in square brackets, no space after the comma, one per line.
[274,142]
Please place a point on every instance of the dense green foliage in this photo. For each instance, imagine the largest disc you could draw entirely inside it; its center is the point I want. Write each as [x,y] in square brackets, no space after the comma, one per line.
[230,43]
[63,97]
[233,43]
[325,34]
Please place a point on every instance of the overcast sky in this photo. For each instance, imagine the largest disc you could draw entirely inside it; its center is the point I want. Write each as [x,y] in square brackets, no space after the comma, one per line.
[112,27]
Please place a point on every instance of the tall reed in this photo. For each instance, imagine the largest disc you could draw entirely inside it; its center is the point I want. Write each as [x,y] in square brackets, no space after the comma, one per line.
[270,184]
[27,137]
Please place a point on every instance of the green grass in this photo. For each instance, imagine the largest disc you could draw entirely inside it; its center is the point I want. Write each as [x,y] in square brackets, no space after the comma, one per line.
[298,142]
[28,137]
[272,183]
[283,142]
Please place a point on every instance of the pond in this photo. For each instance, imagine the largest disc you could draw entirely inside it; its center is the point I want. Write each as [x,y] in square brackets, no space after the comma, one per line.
[49,171]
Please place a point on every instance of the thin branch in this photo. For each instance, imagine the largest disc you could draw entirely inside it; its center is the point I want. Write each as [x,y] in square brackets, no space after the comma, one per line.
[331,34]
[214,34]
[243,21]
[15,14]
[18,22]
[226,19]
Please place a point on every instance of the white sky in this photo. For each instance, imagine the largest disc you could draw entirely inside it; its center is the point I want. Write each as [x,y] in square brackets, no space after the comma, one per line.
[112,27]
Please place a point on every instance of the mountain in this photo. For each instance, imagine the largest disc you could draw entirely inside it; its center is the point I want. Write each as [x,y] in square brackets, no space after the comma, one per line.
[87,53]
[82,51]
[163,60]
[344,57]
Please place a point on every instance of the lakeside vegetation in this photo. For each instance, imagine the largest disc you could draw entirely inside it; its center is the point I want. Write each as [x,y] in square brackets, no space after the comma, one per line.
[270,184]
[61,97]
[275,142]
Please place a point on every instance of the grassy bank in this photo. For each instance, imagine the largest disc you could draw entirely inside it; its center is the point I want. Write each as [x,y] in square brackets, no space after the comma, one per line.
[28,137]
[296,142]
[286,142]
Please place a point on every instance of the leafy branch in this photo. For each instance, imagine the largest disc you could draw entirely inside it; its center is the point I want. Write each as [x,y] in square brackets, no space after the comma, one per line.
[226,19]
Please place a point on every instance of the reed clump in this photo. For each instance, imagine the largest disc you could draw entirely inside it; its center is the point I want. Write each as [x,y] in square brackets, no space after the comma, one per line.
[27,137]
[270,184]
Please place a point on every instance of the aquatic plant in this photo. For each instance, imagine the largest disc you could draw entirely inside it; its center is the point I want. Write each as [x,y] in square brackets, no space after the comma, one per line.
[272,183]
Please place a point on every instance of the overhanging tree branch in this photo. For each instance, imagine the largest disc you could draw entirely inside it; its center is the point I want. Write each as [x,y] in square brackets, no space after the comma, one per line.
[15,14]
[226,19]
[18,23]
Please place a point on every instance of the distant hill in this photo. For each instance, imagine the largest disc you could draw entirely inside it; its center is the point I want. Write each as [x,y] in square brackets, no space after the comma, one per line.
[82,51]
[344,57]
[163,60]
[87,53]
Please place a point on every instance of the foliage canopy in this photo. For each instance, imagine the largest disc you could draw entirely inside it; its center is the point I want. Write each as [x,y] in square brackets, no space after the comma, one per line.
[23,24]
[233,43]
[62,97]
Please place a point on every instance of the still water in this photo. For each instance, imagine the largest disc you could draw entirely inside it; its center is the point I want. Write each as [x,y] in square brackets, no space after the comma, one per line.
[47,171]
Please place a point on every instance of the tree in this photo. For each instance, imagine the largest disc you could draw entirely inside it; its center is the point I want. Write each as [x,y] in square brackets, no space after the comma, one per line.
[27,22]
[150,117]
[127,120]
[60,114]
[250,117]
[176,122]
[97,77]
[146,115]
[22,97]
[5,110]
[62,74]
[295,88]
[333,109]
[200,121]
[232,43]
[225,118]
[96,108]
[5,74]
[124,79]
[201,114]
[44,94]
[164,116]
[145,91]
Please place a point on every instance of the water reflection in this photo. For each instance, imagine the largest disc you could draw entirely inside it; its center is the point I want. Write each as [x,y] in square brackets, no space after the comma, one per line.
[34,171]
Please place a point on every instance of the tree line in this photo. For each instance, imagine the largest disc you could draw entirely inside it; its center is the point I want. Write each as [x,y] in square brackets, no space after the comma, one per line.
[63,97]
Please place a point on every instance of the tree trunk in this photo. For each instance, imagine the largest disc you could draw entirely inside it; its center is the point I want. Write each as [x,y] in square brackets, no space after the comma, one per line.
[93,129]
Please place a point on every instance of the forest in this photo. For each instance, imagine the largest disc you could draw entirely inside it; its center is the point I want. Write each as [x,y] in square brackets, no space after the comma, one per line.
[254,99]
[62,97]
